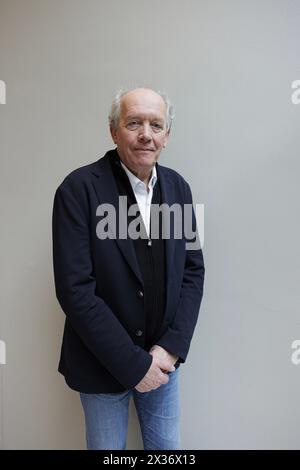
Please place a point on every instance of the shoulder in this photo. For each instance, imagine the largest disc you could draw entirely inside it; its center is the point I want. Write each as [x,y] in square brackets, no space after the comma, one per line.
[77,188]
[82,178]
[79,176]
[172,175]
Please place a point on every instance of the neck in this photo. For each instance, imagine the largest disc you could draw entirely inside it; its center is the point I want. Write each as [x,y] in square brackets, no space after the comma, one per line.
[143,174]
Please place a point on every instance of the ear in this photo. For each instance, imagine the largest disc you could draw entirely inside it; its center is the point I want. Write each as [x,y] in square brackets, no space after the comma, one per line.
[113,133]
[166,138]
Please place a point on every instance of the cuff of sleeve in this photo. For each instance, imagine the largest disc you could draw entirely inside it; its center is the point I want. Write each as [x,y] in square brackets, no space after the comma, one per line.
[172,342]
[138,371]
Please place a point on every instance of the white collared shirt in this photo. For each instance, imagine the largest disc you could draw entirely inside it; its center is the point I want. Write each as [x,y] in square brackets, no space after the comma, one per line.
[143,194]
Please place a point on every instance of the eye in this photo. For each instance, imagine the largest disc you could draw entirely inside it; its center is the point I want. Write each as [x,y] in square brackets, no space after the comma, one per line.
[132,125]
[157,127]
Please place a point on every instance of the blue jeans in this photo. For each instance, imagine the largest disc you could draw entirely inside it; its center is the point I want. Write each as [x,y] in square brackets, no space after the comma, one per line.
[106,417]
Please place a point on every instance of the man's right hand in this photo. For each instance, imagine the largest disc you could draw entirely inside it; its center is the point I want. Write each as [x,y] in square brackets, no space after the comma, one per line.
[155,376]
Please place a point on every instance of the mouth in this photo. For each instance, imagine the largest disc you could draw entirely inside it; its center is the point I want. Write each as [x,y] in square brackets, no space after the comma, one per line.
[144,150]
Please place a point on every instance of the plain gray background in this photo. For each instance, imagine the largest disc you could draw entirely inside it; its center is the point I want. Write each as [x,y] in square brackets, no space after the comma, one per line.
[228,66]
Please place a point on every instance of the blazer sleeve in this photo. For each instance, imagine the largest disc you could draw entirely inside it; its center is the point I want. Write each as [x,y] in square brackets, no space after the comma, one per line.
[90,317]
[178,335]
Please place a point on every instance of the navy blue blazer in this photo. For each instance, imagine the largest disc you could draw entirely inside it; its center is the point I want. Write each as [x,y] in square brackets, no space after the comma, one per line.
[100,289]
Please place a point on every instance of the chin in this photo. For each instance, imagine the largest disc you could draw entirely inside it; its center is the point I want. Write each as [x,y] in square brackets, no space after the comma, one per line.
[147,164]
[145,161]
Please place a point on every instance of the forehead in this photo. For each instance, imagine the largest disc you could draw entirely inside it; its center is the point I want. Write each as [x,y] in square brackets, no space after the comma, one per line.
[144,103]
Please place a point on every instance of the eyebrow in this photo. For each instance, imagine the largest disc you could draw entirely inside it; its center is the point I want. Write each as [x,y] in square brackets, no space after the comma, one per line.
[134,116]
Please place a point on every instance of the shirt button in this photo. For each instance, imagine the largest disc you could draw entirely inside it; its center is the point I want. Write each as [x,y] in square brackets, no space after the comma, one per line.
[140,294]
[138,333]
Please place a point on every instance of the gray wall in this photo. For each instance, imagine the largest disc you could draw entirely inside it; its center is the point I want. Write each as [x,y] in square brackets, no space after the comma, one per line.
[229,66]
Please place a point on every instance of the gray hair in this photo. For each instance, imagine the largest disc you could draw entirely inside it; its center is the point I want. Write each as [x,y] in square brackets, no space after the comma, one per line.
[114,115]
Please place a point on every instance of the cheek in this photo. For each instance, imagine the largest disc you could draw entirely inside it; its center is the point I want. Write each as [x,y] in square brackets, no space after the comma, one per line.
[160,143]
[128,141]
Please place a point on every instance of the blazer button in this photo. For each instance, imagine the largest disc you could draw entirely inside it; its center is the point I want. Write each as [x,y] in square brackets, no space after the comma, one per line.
[138,333]
[140,294]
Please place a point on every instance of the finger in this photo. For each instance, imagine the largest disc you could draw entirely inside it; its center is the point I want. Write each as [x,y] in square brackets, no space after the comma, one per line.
[168,367]
[164,378]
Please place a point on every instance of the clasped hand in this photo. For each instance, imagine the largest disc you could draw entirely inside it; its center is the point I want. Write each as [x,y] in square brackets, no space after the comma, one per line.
[162,363]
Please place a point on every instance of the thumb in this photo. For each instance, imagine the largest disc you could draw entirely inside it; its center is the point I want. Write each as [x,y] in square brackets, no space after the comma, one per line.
[167,366]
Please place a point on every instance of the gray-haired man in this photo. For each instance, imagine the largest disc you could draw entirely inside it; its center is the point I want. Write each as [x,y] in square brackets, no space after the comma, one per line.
[131,304]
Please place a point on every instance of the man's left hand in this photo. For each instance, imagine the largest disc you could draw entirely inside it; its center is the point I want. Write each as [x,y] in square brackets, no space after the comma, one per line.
[160,353]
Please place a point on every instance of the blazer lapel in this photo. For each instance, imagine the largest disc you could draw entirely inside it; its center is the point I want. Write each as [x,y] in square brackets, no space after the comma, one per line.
[107,192]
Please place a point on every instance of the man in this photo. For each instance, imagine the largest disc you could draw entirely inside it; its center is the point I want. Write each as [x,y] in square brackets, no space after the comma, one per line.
[131,303]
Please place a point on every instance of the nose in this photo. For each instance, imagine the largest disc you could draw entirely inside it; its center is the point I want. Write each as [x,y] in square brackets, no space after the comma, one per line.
[145,133]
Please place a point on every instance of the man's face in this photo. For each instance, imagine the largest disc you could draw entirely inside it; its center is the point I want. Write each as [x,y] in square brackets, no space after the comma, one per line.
[142,132]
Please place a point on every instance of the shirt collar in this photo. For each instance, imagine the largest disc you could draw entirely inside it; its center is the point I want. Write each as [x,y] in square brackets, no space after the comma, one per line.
[136,182]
